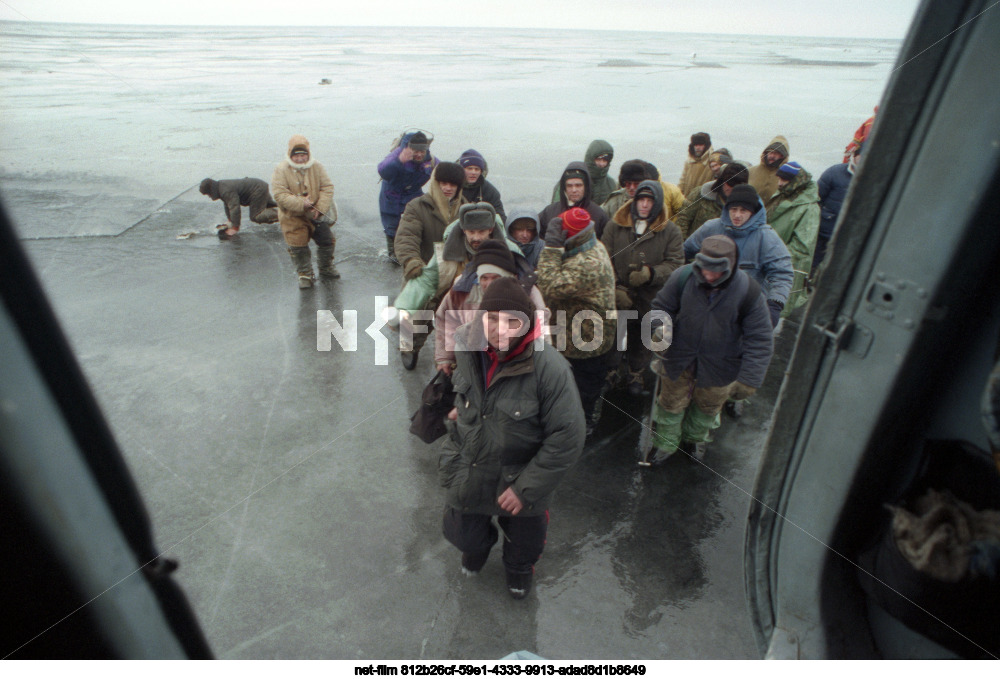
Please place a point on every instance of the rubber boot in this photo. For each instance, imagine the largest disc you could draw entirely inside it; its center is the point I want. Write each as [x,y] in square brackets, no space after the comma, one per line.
[324,261]
[302,259]
[390,243]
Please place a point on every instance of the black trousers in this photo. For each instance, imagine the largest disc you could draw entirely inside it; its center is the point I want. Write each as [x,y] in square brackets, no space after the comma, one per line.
[589,374]
[476,534]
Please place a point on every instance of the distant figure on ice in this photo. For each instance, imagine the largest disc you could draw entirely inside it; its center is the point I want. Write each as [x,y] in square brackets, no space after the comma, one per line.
[235,193]
[598,162]
[306,210]
[833,185]
[696,170]
[475,188]
[516,429]
[763,175]
[574,190]
[721,347]
[860,136]
[404,171]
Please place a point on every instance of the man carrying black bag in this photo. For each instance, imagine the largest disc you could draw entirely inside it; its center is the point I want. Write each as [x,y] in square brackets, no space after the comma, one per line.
[516,429]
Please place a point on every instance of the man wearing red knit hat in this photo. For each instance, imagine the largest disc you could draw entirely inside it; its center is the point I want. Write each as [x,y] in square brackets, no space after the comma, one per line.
[577,281]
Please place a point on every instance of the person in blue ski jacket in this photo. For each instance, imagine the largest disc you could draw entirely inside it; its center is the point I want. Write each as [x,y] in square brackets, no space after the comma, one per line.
[763,255]
[404,172]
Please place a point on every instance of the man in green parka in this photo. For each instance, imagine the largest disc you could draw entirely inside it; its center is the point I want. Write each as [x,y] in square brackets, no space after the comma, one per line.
[516,429]
[598,159]
[794,213]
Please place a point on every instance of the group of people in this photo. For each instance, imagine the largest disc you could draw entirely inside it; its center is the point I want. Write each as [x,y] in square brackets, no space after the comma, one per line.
[537,315]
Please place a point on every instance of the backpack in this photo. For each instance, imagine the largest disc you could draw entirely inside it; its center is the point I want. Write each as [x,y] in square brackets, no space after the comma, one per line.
[749,299]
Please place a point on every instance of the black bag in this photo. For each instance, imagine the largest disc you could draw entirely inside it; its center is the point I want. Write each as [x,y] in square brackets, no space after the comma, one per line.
[436,401]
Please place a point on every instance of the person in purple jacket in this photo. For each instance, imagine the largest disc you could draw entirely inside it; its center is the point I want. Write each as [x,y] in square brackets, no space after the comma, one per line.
[404,172]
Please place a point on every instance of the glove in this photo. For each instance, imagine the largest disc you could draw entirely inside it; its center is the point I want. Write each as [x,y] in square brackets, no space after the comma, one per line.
[639,278]
[741,391]
[412,269]
[555,237]
[663,334]
[622,299]
[774,308]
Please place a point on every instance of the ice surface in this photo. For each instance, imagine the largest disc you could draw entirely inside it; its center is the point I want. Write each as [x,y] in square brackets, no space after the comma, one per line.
[103,125]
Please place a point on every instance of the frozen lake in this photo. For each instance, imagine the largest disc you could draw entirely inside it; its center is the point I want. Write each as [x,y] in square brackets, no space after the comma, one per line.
[305,518]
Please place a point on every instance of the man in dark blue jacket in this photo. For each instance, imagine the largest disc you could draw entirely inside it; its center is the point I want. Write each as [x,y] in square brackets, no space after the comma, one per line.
[833,185]
[721,346]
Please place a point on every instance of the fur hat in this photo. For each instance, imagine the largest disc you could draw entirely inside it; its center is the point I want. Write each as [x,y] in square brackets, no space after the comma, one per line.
[632,171]
[701,138]
[206,186]
[718,254]
[721,156]
[732,174]
[743,195]
[449,173]
[476,216]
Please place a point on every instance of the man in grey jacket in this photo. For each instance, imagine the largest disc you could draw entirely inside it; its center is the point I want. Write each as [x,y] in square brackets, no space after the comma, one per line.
[721,346]
[516,429]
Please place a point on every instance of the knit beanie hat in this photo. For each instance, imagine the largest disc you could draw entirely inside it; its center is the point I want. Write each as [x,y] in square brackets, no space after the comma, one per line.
[476,216]
[472,157]
[718,255]
[732,174]
[506,294]
[575,220]
[449,173]
[419,142]
[632,171]
[206,186]
[789,171]
[744,195]
[495,256]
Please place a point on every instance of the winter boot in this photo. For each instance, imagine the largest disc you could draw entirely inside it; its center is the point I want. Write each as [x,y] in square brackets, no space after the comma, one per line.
[473,562]
[390,243]
[324,261]
[699,450]
[734,409]
[518,584]
[302,259]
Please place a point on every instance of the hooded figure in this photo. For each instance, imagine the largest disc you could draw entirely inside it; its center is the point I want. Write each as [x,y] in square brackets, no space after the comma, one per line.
[304,194]
[795,215]
[522,228]
[425,219]
[601,185]
[479,190]
[696,169]
[763,255]
[832,186]
[575,170]
[763,176]
[721,345]
[644,250]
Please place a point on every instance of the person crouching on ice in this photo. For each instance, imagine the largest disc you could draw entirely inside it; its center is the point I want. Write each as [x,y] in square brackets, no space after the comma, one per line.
[516,429]
[721,347]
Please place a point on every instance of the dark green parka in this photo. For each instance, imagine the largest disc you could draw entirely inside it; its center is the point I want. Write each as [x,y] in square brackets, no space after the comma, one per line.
[525,431]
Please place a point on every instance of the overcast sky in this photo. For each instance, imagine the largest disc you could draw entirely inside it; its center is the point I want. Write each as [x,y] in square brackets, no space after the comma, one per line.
[850,18]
